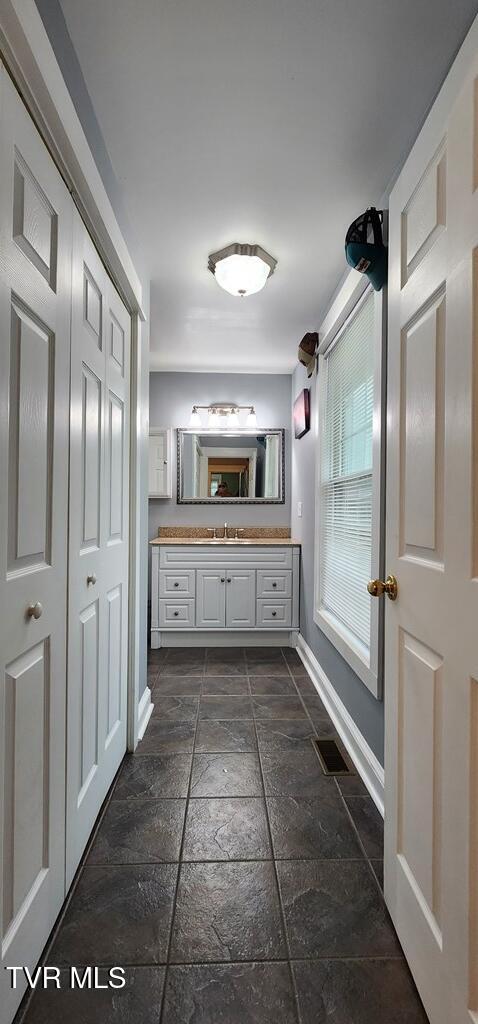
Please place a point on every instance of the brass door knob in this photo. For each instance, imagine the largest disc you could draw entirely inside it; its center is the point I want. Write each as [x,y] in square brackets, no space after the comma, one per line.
[377,588]
[34,611]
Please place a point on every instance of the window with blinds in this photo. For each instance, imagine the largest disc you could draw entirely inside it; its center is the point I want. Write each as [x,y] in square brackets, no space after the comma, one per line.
[346,387]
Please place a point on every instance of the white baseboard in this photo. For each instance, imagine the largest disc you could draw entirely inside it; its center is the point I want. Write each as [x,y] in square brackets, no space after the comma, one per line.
[145,710]
[364,759]
[227,638]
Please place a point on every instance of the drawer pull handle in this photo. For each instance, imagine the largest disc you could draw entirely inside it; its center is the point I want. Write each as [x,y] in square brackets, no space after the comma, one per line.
[274,584]
[176,584]
[223,579]
[229,579]
[274,614]
[176,613]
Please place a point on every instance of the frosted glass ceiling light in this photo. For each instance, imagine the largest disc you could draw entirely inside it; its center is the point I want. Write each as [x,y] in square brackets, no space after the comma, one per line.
[242,269]
[213,420]
[195,419]
[252,418]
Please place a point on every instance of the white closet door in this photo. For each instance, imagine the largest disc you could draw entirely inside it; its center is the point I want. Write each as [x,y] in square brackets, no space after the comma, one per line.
[98,547]
[35,296]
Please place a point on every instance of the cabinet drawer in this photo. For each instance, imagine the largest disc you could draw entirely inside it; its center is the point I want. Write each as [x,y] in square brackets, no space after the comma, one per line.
[180,583]
[274,613]
[176,614]
[274,584]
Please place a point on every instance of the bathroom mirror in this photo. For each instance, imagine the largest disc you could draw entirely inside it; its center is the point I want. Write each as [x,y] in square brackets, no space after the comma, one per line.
[234,468]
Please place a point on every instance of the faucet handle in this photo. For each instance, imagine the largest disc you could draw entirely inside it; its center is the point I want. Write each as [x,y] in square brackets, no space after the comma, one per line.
[212,529]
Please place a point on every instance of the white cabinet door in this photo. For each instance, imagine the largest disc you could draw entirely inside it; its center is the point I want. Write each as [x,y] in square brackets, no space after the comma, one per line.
[159,464]
[98,591]
[211,598]
[35,299]
[240,598]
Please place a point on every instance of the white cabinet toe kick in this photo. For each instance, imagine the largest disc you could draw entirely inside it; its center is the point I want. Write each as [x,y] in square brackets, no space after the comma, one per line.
[207,595]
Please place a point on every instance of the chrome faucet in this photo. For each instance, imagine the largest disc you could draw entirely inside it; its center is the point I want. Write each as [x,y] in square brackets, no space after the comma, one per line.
[225,531]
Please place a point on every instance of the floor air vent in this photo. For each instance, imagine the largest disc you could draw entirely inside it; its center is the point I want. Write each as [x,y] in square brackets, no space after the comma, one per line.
[331,759]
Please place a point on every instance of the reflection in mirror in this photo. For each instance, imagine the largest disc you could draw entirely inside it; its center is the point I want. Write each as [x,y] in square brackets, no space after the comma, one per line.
[230,467]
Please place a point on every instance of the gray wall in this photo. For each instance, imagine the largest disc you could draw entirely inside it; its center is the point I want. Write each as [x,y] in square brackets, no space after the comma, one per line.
[171,397]
[55,25]
[364,709]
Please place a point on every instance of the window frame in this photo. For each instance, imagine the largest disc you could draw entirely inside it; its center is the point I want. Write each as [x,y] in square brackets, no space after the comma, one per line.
[368,665]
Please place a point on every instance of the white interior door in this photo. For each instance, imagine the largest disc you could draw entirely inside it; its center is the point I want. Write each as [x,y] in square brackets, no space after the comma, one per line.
[98,545]
[35,296]
[431,669]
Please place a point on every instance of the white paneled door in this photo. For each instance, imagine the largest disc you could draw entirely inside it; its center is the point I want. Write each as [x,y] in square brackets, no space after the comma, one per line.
[35,300]
[431,647]
[98,543]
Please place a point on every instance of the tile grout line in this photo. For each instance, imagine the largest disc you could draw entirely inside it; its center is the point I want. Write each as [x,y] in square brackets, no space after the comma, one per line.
[362,847]
[181,847]
[276,876]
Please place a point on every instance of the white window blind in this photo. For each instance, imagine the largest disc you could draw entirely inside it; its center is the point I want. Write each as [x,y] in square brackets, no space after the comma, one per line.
[345,497]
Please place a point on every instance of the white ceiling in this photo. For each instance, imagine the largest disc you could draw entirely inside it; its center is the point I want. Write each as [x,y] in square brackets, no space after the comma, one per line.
[269,121]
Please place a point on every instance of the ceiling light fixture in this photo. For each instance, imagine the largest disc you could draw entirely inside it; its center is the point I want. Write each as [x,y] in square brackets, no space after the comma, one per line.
[252,418]
[242,269]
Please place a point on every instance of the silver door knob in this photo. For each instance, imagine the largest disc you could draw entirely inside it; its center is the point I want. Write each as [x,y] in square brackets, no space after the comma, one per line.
[34,610]
[91,579]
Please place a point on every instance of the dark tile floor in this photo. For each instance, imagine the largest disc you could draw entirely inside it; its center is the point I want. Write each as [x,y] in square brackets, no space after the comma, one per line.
[235,882]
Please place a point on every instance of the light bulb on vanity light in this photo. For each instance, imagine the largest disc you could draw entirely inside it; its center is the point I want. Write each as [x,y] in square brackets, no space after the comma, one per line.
[213,420]
[252,418]
[195,419]
[233,419]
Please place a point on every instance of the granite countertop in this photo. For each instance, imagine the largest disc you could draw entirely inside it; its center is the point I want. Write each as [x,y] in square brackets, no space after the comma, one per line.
[230,542]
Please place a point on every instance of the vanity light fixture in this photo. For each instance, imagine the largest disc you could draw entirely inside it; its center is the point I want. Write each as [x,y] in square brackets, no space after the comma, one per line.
[213,420]
[195,419]
[233,418]
[242,269]
[223,414]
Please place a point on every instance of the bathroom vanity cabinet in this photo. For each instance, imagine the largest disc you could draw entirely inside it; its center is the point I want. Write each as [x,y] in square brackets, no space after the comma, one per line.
[223,588]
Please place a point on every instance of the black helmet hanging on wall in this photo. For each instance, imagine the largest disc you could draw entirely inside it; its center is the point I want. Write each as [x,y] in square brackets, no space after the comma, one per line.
[364,248]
